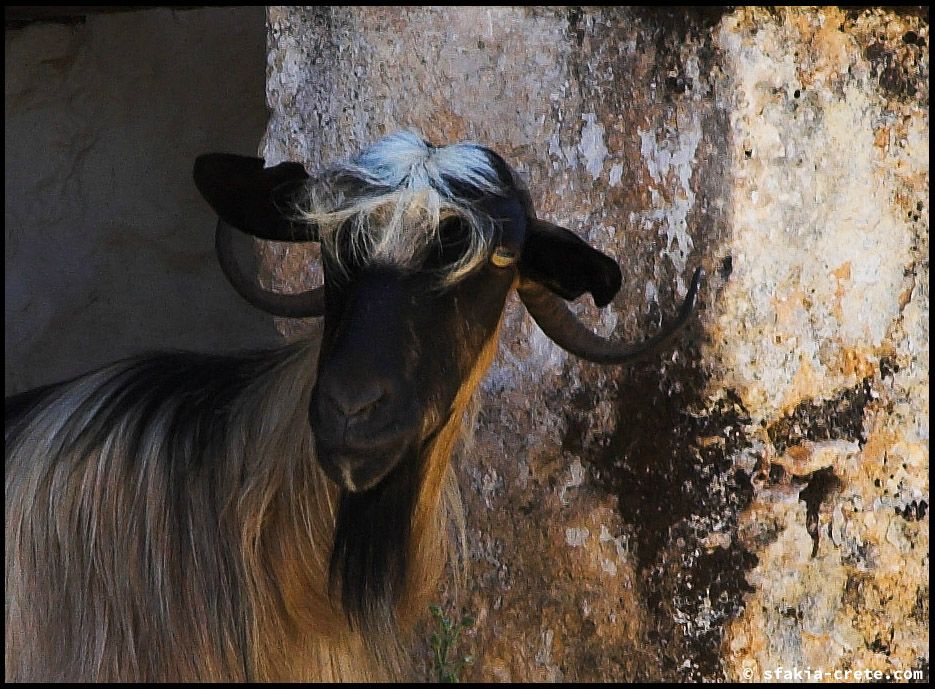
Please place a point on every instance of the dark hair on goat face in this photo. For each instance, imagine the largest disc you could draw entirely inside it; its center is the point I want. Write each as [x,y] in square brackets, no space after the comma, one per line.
[415,282]
[421,246]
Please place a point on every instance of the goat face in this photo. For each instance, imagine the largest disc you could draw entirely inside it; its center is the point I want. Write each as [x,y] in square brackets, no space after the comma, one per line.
[397,349]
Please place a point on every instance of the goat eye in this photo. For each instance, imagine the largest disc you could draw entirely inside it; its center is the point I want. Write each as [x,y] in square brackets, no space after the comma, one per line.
[503,257]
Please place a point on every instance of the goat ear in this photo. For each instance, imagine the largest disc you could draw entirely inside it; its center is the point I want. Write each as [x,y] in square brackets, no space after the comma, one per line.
[254,199]
[557,259]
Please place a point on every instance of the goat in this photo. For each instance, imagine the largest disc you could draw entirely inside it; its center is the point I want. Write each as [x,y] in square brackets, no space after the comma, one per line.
[283,515]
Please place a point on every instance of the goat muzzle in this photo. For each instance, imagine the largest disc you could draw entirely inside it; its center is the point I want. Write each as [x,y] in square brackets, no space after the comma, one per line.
[362,430]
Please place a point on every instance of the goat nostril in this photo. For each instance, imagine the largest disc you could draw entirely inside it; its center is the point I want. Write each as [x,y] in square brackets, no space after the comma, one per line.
[355,401]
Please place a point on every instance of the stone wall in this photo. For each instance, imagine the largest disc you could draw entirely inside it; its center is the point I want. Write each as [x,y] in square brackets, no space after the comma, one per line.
[108,246]
[756,496]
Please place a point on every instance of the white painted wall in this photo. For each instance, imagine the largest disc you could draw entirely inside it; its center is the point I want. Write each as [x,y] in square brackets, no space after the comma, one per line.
[108,246]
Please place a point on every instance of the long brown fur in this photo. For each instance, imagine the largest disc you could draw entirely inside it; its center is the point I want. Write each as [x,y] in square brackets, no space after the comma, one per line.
[111,575]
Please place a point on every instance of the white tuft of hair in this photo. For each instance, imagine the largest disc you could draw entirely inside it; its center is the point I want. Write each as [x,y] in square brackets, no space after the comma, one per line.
[392,198]
[406,160]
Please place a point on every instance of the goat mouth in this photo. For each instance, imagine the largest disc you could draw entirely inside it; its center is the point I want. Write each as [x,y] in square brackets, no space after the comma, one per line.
[359,471]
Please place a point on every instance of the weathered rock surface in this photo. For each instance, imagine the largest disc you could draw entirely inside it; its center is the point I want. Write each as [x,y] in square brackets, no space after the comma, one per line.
[756,496]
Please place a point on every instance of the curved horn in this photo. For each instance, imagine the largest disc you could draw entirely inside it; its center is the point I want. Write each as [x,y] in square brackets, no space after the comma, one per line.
[299,305]
[552,315]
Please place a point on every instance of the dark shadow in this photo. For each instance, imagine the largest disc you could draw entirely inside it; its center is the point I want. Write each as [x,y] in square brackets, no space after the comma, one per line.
[109,248]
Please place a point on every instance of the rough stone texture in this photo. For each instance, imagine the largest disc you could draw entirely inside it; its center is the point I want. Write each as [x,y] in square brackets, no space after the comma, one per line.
[108,246]
[756,496]
[830,242]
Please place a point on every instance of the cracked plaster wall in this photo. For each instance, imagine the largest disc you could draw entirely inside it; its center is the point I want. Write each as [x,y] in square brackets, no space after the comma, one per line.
[757,495]
[108,246]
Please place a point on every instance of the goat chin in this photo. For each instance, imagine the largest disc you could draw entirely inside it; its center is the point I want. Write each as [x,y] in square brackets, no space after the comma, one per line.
[166,520]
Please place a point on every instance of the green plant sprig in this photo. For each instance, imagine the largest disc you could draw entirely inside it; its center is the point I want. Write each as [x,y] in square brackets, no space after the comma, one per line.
[444,640]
